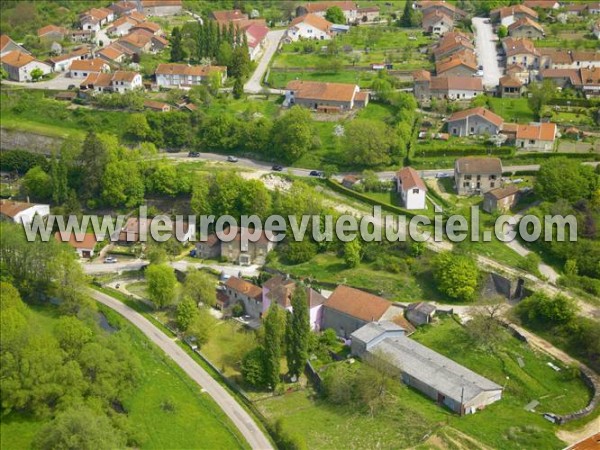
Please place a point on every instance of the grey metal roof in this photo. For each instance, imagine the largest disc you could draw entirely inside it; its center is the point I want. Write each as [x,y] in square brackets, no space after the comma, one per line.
[433,369]
[372,330]
[422,307]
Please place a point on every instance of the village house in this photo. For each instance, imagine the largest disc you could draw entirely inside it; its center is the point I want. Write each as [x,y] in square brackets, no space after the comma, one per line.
[562,78]
[309,26]
[114,53]
[22,212]
[119,82]
[477,175]
[438,377]
[347,309]
[508,15]
[349,181]
[94,19]
[474,121]
[223,17]
[81,35]
[569,59]
[463,63]
[52,33]
[249,295]
[255,29]
[325,97]
[510,87]
[542,4]
[138,230]
[122,26]
[143,41]
[153,105]
[526,28]
[448,8]
[519,72]
[521,51]
[256,35]
[124,7]
[183,75]
[590,82]
[212,247]
[501,199]
[427,88]
[7,45]
[536,136]
[350,9]
[19,66]
[63,63]
[161,7]
[84,244]
[437,22]
[82,68]
[451,43]
[151,27]
[367,14]
[420,313]
[412,189]
[280,289]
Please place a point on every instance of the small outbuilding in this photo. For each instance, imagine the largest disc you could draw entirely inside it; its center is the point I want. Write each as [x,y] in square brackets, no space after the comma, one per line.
[420,313]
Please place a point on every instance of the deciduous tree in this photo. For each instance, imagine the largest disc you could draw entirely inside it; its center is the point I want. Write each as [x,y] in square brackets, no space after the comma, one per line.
[162,284]
[456,275]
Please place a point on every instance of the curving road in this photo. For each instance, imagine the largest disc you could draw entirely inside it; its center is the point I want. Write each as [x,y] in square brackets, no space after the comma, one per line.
[238,415]
[254,84]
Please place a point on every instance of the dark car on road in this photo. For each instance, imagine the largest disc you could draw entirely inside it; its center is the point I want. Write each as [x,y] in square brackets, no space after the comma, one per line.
[316,173]
[277,168]
[194,154]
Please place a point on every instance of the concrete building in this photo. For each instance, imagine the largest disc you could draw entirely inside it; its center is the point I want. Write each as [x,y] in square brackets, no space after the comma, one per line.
[536,137]
[22,212]
[501,199]
[183,75]
[477,175]
[427,88]
[474,121]
[441,379]
[411,188]
[19,66]
[325,97]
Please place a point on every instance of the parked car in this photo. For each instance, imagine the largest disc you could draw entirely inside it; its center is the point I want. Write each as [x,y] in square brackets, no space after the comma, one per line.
[110,260]
[277,168]
[194,154]
[442,175]
[232,159]
[316,173]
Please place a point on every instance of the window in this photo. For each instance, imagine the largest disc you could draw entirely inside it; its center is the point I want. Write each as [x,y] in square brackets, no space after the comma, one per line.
[492,177]
[531,141]
[415,191]
[478,177]
[492,184]
[466,184]
[467,177]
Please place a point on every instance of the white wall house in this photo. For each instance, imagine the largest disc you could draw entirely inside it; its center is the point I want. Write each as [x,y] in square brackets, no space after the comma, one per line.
[309,26]
[536,136]
[19,66]
[81,69]
[412,189]
[22,212]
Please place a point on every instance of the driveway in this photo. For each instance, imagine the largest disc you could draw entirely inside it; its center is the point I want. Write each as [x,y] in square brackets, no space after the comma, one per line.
[253,86]
[487,55]
[59,83]
[238,415]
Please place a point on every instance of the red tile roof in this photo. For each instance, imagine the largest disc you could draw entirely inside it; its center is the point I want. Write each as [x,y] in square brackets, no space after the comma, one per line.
[94,65]
[356,303]
[503,192]
[187,70]
[478,165]
[422,75]
[313,20]
[409,179]
[11,208]
[17,59]
[83,241]
[447,83]
[525,22]
[463,58]
[517,46]
[317,90]
[50,29]
[481,112]
[244,287]
[229,15]
[540,132]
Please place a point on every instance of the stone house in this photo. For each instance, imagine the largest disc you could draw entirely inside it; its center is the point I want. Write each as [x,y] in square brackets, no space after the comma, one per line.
[19,65]
[82,68]
[52,33]
[500,199]
[161,7]
[474,121]
[477,175]
[526,28]
[437,22]
[84,244]
[462,63]
[231,250]
[242,291]
[521,51]
[119,82]
[451,43]
[427,88]
[510,87]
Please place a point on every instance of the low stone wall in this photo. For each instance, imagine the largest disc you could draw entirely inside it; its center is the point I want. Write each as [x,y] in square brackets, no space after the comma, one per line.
[593,382]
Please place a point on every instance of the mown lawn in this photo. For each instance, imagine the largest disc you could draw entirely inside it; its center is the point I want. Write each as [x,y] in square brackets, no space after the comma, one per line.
[512,109]
[279,80]
[196,421]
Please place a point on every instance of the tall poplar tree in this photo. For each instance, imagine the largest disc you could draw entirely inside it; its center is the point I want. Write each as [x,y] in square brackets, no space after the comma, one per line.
[298,332]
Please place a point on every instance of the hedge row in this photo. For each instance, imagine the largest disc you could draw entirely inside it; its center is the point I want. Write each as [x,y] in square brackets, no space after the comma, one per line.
[522,173]
[584,156]
[363,198]
[583,102]
[434,153]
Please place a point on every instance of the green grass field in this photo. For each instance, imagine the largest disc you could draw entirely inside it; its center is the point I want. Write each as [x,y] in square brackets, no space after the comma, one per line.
[512,109]
[195,421]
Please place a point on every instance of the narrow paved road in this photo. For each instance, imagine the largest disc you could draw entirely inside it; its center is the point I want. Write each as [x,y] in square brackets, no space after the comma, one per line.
[238,415]
[487,56]
[254,84]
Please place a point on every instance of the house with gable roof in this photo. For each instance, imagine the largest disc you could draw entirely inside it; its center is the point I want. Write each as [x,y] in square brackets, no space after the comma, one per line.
[474,121]
[412,189]
[309,26]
